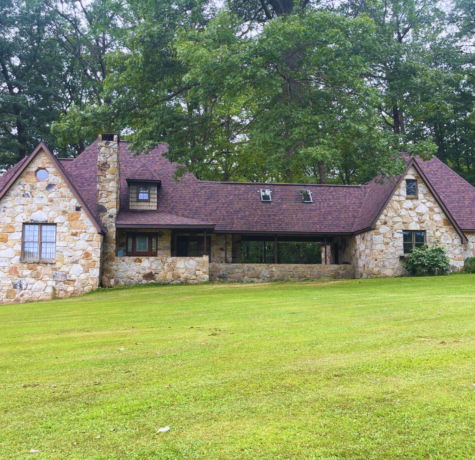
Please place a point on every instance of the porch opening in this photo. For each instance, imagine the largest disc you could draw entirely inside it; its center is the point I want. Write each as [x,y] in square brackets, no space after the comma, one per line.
[283,250]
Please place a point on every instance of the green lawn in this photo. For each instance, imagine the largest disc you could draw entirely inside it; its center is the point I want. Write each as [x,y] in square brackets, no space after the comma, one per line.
[370,369]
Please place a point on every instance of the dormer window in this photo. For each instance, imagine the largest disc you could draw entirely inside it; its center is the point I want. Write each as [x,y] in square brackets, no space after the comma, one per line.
[143,193]
[307,196]
[266,195]
[411,188]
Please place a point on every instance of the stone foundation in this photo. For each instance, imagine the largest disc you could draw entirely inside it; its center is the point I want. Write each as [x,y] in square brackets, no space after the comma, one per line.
[167,270]
[261,273]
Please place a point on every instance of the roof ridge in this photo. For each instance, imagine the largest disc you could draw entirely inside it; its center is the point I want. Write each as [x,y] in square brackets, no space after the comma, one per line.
[450,169]
[281,183]
[148,169]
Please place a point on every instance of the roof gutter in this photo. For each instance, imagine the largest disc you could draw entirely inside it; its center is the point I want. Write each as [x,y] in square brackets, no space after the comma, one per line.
[159,226]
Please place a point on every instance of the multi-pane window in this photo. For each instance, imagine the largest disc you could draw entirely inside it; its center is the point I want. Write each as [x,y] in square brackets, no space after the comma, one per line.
[143,193]
[266,195]
[411,188]
[39,242]
[192,246]
[307,196]
[141,244]
[413,239]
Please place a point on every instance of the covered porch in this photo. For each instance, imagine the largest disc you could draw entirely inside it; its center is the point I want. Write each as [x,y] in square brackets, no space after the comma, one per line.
[201,254]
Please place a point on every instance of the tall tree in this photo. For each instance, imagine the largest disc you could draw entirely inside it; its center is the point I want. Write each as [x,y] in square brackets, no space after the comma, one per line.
[30,73]
[86,32]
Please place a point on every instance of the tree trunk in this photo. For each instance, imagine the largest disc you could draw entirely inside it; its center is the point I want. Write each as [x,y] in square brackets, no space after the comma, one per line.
[398,120]
[321,173]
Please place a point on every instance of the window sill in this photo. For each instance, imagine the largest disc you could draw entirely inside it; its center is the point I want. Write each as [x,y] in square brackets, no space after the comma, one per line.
[44,262]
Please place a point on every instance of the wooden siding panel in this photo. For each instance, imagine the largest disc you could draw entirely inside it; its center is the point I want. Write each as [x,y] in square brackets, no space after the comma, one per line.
[136,205]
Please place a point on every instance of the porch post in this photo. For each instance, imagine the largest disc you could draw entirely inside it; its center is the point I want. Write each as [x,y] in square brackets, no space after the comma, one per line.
[205,252]
[225,248]
[325,262]
[275,250]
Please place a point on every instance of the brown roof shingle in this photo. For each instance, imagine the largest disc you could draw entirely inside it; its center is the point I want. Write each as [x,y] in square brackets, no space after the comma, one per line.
[236,207]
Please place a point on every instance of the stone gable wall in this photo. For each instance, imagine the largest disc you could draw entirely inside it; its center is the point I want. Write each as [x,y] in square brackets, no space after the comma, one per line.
[377,252]
[78,245]
[167,270]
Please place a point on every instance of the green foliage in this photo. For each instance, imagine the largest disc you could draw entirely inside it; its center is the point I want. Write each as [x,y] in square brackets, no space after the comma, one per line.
[257,90]
[31,75]
[427,260]
[288,252]
[469,265]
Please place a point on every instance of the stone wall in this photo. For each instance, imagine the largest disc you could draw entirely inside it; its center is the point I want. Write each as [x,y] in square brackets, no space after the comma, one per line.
[257,273]
[377,252]
[108,193]
[78,244]
[169,270]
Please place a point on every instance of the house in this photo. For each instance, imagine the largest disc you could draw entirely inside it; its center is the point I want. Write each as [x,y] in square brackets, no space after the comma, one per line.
[108,217]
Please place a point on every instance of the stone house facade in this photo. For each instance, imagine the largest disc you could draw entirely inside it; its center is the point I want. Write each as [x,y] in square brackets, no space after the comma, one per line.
[111,217]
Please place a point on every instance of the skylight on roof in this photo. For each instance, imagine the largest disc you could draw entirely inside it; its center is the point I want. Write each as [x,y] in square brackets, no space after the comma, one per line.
[307,196]
[266,195]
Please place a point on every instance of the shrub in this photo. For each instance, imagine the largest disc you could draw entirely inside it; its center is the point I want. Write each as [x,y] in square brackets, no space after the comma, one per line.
[469,265]
[427,260]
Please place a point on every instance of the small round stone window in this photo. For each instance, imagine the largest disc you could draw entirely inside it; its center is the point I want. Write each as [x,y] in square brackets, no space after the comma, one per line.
[42,174]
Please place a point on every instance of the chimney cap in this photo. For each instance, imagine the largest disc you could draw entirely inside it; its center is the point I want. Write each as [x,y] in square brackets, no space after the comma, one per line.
[110,137]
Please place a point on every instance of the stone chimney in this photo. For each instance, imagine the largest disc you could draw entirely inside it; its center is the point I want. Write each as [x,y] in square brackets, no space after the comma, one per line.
[108,191]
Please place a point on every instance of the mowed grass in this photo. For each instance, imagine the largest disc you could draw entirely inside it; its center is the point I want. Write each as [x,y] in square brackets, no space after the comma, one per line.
[370,369]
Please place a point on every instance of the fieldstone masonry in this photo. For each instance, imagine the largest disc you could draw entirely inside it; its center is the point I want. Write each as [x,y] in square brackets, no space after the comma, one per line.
[261,273]
[167,270]
[377,252]
[108,194]
[78,244]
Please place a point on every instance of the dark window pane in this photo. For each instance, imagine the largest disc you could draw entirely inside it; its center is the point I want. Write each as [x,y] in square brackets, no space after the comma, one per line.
[292,252]
[306,196]
[129,244]
[407,248]
[419,238]
[411,187]
[407,237]
[192,248]
[141,244]
[265,195]
[182,248]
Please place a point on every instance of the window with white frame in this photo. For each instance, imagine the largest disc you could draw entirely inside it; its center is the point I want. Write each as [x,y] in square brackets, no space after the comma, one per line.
[143,192]
[307,196]
[266,195]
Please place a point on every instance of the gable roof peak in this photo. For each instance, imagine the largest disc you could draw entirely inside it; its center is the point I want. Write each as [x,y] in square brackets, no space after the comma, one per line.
[22,165]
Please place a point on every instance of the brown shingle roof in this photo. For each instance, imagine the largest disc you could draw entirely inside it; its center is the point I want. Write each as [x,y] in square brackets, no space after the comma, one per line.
[10,173]
[143,172]
[236,207]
